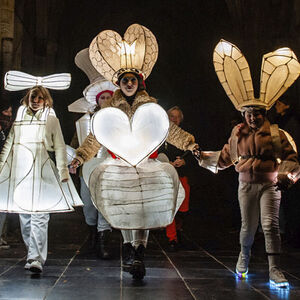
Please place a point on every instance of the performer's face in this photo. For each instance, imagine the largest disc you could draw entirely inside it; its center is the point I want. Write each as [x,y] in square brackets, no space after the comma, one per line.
[36,101]
[103,97]
[175,116]
[7,112]
[129,84]
[254,119]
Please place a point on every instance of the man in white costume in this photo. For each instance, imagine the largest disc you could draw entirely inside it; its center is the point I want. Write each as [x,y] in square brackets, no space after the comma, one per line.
[134,197]
[30,182]
[95,94]
[262,154]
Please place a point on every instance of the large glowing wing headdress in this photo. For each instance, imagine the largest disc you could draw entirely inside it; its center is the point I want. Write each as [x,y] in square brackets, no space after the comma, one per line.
[16,81]
[279,70]
[136,52]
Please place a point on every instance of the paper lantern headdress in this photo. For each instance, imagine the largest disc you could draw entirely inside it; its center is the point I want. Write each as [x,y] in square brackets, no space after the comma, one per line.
[278,72]
[17,81]
[112,56]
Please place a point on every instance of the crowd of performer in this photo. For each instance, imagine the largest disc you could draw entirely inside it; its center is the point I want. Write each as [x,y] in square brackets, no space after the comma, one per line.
[150,188]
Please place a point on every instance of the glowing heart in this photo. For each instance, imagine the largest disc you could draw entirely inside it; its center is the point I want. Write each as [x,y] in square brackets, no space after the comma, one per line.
[135,139]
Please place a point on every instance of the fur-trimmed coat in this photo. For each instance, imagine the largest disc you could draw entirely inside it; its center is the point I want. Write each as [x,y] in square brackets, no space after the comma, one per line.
[177,136]
[258,163]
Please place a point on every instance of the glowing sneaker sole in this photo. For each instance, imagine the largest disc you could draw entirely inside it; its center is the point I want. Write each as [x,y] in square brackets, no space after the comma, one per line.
[241,274]
[284,284]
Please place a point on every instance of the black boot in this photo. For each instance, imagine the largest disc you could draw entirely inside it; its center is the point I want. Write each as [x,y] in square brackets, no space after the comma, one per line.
[102,250]
[138,270]
[92,236]
[127,257]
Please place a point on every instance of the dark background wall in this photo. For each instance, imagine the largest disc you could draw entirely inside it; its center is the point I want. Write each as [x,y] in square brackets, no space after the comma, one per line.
[49,33]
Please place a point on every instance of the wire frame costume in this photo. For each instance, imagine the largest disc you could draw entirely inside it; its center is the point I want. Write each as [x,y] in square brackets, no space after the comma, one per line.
[278,72]
[29,180]
[137,52]
[16,81]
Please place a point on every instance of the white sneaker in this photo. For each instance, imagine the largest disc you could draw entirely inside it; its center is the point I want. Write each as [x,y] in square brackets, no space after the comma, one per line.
[27,266]
[3,244]
[277,278]
[242,265]
[36,267]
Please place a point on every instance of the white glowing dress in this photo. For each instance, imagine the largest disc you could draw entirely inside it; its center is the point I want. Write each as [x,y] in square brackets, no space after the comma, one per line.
[29,180]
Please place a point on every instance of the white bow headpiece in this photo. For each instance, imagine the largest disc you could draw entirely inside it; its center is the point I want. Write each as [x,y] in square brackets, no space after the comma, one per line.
[16,81]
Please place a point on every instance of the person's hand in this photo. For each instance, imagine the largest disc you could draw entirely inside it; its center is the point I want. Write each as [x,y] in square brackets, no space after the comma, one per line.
[197,154]
[72,170]
[283,182]
[179,162]
[75,164]
[65,180]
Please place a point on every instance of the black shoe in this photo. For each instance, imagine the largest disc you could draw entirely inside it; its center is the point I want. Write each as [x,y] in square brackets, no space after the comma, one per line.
[92,236]
[173,246]
[138,270]
[127,257]
[102,250]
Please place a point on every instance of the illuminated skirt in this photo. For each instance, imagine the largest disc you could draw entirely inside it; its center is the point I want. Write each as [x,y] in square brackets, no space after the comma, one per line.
[29,183]
[143,197]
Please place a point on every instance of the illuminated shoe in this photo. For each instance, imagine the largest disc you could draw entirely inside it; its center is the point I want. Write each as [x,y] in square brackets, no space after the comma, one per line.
[277,279]
[242,265]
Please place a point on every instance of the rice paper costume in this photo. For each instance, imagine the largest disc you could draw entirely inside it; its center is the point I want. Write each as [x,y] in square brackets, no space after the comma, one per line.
[94,94]
[29,180]
[140,193]
[133,190]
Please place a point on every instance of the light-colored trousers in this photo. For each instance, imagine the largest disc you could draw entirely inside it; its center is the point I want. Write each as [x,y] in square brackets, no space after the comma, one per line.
[260,200]
[91,214]
[34,229]
[135,237]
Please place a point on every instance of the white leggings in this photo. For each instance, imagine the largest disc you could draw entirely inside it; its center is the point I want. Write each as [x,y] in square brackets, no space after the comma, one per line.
[135,237]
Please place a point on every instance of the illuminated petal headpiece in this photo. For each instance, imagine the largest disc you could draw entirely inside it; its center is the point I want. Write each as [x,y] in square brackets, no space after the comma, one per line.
[16,81]
[112,56]
[278,72]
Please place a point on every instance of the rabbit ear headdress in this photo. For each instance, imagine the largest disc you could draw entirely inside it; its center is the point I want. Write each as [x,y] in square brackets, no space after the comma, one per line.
[278,72]
[17,81]
[112,56]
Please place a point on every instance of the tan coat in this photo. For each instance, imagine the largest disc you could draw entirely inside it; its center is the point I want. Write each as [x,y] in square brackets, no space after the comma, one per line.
[264,166]
[177,136]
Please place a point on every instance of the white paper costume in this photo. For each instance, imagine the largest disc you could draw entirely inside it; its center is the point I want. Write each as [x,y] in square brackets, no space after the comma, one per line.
[87,105]
[132,191]
[29,180]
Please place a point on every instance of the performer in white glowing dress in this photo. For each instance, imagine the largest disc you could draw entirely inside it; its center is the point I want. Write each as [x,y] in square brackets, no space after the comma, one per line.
[95,94]
[262,154]
[133,190]
[30,183]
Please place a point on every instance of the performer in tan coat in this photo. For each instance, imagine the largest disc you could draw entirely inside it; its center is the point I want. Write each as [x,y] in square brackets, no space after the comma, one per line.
[131,183]
[262,154]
